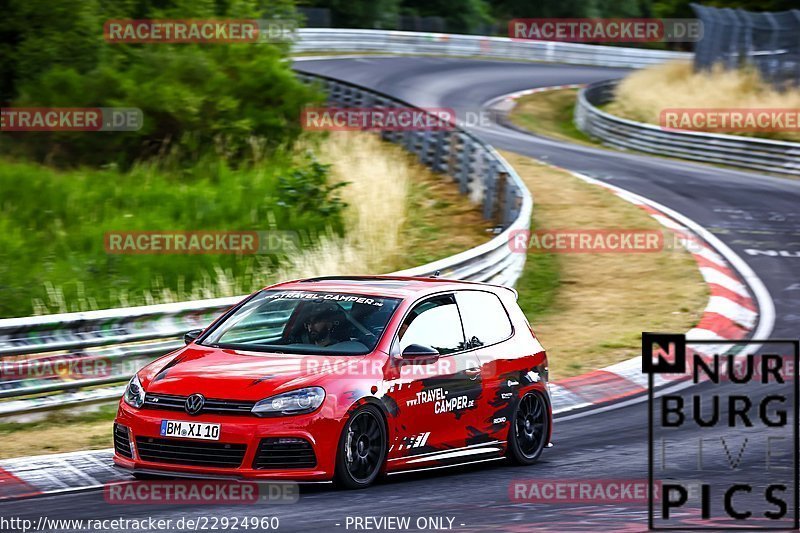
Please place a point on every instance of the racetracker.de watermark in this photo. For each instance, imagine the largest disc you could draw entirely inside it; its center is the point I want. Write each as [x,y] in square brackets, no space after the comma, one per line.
[71,119]
[377,369]
[200,242]
[597,491]
[208,31]
[588,30]
[61,366]
[377,119]
[577,241]
[731,120]
[200,492]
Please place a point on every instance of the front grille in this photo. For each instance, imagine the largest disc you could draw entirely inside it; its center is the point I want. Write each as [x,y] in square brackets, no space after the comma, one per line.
[176,403]
[191,453]
[282,452]
[122,442]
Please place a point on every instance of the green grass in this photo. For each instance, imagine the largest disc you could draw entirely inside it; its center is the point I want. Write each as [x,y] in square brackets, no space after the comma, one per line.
[52,227]
[538,285]
[550,113]
[56,419]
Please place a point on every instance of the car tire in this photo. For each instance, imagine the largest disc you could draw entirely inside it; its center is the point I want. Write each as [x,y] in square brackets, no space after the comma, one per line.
[530,426]
[362,449]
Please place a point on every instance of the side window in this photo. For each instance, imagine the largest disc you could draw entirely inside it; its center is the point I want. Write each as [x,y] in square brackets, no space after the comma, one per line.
[434,323]
[485,318]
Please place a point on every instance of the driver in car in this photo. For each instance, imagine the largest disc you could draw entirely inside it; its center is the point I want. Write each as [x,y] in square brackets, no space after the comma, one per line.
[323,328]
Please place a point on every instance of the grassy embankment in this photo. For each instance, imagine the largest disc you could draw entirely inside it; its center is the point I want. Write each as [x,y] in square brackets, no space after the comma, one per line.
[589,310]
[53,224]
[642,96]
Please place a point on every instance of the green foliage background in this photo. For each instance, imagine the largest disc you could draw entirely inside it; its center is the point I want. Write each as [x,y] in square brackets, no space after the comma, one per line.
[473,15]
[196,98]
[217,152]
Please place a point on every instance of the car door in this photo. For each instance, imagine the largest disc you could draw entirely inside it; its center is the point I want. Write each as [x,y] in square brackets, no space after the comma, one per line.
[434,398]
[488,330]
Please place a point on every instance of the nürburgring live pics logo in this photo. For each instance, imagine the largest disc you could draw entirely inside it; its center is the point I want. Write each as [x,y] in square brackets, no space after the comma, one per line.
[725,453]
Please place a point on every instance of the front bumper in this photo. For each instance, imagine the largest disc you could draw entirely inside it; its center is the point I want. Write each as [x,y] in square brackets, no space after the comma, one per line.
[320,429]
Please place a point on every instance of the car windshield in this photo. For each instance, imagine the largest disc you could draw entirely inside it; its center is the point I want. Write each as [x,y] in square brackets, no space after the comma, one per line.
[306,322]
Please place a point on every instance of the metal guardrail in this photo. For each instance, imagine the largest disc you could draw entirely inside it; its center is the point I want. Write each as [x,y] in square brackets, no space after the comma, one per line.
[764,155]
[418,43]
[114,343]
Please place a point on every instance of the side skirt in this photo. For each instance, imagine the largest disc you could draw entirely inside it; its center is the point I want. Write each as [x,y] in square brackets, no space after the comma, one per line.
[476,453]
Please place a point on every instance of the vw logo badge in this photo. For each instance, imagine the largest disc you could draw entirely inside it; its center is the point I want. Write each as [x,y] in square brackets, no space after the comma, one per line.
[194,404]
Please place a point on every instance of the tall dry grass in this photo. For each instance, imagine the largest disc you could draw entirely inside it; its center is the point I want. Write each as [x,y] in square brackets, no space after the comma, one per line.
[378,177]
[643,94]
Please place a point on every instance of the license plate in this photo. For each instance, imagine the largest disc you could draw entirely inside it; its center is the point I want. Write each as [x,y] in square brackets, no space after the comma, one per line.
[189,430]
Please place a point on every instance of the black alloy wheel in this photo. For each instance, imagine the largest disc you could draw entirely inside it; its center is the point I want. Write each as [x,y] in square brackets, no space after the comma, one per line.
[362,449]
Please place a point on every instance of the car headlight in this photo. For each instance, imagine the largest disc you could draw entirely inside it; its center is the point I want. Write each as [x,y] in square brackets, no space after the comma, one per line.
[290,403]
[134,393]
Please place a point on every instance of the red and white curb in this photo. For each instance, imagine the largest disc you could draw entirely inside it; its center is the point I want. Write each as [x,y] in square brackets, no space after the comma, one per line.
[737,296]
[506,102]
[26,477]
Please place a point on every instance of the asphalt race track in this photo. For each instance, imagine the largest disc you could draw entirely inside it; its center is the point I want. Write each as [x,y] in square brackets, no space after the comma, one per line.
[751,213]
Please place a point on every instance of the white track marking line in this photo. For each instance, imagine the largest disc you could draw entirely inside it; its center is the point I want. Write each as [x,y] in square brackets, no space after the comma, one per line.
[766,306]
[669,223]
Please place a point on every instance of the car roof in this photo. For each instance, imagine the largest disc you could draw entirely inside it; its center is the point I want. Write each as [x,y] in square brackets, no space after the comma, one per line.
[389,286]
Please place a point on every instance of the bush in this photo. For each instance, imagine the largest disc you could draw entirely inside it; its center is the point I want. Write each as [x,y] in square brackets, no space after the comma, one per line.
[306,190]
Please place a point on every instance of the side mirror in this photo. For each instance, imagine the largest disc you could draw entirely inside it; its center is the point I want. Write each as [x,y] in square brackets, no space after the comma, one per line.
[419,353]
[190,336]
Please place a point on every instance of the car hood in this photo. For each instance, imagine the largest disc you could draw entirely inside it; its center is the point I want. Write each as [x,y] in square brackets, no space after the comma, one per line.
[239,375]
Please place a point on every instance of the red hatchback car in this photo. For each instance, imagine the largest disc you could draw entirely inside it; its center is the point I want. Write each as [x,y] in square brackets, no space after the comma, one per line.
[343,379]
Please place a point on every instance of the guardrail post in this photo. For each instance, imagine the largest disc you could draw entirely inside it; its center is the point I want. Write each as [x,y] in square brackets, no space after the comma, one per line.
[440,147]
[489,185]
[511,203]
[424,145]
[495,191]
[453,148]
[466,164]
[409,140]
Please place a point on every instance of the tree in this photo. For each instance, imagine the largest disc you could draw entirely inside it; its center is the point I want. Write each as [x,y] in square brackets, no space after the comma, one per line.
[360,13]
[465,18]
[196,98]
